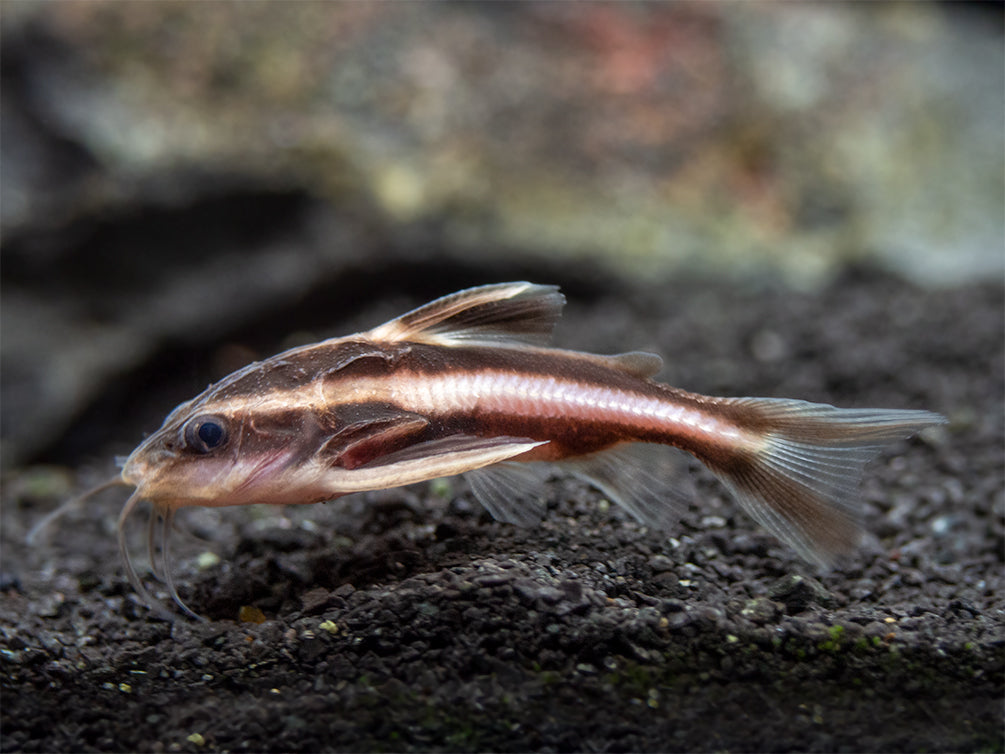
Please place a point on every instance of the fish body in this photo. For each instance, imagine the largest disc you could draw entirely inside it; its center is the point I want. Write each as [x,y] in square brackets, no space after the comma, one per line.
[468,385]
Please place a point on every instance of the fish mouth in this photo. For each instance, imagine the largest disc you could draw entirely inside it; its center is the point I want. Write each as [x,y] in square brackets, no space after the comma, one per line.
[269,466]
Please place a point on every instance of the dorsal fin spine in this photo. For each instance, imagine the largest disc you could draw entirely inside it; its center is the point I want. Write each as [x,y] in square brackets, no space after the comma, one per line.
[506,313]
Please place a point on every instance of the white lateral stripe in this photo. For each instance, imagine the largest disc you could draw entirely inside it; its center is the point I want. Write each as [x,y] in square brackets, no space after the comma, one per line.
[490,391]
[535,395]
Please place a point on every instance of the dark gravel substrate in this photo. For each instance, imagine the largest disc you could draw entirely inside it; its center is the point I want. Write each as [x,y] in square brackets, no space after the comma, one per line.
[408,620]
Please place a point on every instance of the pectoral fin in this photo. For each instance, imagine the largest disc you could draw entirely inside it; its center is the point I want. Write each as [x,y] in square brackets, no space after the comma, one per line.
[422,461]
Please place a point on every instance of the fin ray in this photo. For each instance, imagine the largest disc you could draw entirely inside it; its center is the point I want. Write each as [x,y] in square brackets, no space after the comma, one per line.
[510,491]
[644,479]
[506,313]
[446,456]
[802,485]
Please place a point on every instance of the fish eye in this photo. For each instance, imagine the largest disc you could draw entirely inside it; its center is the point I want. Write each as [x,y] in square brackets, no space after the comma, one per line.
[205,433]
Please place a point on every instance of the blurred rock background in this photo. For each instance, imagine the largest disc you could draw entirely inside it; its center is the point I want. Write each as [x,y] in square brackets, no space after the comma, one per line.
[186,186]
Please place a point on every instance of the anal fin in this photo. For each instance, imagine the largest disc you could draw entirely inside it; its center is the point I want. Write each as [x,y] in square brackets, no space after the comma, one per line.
[648,481]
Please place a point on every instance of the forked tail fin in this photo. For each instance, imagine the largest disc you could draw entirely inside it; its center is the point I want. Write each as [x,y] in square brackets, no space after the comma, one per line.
[802,484]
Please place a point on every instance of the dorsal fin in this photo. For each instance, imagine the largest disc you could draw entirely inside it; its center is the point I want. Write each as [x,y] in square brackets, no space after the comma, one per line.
[514,313]
[636,363]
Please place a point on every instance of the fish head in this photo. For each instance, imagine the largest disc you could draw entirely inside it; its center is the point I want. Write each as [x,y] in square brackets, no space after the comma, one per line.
[213,455]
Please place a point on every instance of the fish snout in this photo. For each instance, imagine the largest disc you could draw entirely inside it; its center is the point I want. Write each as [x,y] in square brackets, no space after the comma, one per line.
[142,464]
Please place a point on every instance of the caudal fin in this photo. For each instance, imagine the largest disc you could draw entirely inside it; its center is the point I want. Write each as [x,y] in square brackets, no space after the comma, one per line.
[802,484]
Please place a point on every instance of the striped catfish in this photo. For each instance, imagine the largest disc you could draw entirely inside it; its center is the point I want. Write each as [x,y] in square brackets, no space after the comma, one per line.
[468,385]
